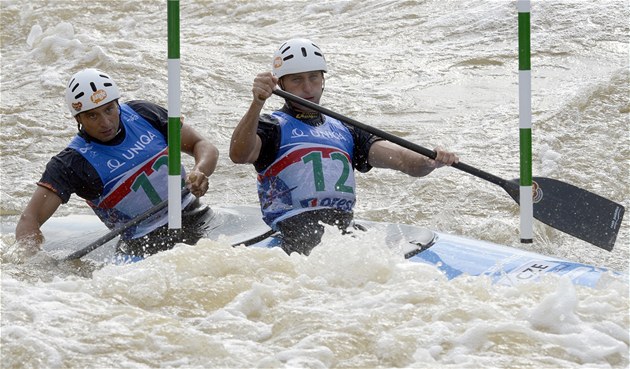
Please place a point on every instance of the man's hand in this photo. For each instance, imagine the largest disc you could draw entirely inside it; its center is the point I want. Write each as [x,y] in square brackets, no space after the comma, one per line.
[263,87]
[197,182]
[443,158]
[21,250]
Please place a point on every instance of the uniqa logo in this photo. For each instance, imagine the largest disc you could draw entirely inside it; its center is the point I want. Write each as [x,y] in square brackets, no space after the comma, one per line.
[295,133]
[331,135]
[98,96]
[114,164]
[140,145]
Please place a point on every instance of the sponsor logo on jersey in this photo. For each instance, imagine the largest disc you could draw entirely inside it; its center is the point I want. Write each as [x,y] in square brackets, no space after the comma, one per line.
[328,202]
[331,135]
[139,146]
[296,132]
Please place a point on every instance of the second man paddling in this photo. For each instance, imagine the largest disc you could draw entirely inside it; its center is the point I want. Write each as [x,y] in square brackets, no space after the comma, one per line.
[305,160]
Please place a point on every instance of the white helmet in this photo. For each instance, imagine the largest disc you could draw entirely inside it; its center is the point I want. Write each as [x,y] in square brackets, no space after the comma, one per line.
[298,55]
[89,89]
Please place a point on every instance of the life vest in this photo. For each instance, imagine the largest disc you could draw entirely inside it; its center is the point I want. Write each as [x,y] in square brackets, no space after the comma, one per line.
[134,174]
[313,170]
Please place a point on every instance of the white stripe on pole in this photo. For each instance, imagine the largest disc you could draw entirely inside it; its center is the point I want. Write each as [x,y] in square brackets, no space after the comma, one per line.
[174,202]
[174,88]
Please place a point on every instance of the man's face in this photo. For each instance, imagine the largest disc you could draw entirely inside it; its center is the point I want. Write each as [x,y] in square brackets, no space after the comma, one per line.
[307,85]
[101,123]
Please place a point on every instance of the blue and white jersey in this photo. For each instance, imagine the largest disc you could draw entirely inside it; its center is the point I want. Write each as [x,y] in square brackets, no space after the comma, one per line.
[313,170]
[134,174]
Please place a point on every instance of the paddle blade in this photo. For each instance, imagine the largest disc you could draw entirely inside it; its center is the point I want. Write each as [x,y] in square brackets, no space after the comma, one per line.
[573,210]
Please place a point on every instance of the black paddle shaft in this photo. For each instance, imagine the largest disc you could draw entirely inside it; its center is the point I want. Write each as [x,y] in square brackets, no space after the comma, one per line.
[116,231]
[390,137]
[570,209]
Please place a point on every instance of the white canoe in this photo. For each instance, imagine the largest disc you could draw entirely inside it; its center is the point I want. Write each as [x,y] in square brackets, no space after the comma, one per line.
[454,255]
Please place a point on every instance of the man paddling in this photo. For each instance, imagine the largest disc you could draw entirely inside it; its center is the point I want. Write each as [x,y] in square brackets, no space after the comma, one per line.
[118,163]
[305,160]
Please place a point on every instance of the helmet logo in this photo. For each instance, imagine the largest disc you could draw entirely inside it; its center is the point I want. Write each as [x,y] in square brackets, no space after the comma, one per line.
[98,96]
[77,106]
[277,62]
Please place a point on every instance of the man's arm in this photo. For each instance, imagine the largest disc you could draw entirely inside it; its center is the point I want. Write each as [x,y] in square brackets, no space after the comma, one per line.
[384,154]
[40,208]
[246,144]
[206,156]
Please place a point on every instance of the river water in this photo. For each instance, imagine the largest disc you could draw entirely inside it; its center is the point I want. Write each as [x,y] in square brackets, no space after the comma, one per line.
[435,72]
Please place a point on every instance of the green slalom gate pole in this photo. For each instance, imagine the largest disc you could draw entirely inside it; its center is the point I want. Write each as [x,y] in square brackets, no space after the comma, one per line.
[174,114]
[525,121]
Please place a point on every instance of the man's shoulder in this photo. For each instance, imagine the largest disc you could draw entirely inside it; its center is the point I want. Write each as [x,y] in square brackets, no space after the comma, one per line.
[147,109]
[153,113]
[69,157]
[268,119]
[69,172]
[140,104]
[68,162]
[268,126]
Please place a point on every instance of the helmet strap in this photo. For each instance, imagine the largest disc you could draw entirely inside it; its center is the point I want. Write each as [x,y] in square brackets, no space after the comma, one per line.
[82,132]
[79,125]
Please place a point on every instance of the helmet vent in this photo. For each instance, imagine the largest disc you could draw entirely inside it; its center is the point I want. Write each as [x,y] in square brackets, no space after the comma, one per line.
[297,56]
[89,89]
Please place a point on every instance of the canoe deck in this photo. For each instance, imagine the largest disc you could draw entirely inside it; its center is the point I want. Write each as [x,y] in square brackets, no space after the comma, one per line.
[453,255]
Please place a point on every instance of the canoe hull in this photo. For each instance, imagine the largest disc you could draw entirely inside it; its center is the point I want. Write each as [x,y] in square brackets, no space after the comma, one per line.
[459,256]
[454,255]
